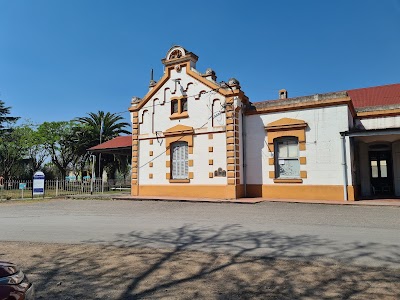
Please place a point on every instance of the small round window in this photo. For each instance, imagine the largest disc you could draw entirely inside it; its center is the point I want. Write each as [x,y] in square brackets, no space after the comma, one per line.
[175,54]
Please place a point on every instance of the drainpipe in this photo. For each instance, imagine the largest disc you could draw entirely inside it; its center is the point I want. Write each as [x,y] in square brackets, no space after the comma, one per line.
[244,151]
[344,165]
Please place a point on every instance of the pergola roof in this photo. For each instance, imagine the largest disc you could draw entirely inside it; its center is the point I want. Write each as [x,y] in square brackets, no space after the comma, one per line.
[121,145]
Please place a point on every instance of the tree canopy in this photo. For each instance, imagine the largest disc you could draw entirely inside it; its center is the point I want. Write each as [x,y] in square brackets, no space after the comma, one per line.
[4,118]
[61,146]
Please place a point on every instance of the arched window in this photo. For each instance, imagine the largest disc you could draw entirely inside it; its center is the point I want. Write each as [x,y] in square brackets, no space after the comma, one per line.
[179,165]
[287,163]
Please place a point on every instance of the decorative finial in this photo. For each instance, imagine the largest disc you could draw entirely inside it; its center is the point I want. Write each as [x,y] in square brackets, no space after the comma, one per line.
[135,100]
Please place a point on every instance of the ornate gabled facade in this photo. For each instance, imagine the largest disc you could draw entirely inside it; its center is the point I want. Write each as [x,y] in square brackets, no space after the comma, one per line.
[186,129]
[195,137]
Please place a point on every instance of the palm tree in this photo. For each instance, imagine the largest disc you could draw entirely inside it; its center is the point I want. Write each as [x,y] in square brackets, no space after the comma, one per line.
[102,127]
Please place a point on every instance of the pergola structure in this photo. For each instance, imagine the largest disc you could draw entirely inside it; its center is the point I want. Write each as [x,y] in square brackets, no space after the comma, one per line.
[121,145]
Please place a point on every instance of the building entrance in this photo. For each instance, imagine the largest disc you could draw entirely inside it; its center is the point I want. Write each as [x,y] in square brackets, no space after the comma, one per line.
[381,172]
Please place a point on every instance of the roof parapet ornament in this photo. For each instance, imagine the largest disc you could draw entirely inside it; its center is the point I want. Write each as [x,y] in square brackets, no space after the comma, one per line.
[283,94]
[152,83]
[177,55]
[135,100]
[234,83]
[210,74]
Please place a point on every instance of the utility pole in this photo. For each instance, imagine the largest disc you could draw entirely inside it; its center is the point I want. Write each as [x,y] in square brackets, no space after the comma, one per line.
[92,179]
[100,138]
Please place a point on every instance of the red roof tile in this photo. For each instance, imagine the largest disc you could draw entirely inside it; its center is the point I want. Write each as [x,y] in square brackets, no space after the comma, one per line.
[118,142]
[375,96]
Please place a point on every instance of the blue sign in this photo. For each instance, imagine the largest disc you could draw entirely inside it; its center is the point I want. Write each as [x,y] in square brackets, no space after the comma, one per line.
[22,186]
[38,183]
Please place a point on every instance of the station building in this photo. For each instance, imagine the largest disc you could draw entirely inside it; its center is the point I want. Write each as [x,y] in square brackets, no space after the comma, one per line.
[193,136]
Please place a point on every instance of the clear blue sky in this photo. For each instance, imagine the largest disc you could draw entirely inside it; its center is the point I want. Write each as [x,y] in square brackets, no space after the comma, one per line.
[63,59]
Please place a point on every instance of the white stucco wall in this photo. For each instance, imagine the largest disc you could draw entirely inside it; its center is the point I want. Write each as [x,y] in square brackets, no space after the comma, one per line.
[206,115]
[200,109]
[381,122]
[323,145]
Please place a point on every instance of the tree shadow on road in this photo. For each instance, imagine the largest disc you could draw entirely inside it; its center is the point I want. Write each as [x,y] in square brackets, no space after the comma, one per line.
[212,263]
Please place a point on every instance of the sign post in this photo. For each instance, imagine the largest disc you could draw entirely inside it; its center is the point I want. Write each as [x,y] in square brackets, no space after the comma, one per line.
[38,184]
[22,187]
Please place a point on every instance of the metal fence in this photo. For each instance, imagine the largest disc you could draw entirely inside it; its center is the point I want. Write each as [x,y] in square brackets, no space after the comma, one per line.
[21,189]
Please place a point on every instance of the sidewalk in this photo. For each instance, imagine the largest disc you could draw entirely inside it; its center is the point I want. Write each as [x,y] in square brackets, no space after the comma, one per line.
[375,202]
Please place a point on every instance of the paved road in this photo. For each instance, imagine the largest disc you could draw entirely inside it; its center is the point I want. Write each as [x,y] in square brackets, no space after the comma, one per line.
[353,234]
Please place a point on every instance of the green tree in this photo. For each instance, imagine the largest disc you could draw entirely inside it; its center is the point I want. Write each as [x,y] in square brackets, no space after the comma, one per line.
[58,143]
[36,152]
[4,118]
[101,127]
[13,150]
[9,148]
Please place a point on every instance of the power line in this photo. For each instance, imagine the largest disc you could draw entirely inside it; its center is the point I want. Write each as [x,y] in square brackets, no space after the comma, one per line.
[167,148]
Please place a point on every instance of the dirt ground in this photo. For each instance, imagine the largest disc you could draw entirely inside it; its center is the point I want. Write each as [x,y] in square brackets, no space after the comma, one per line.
[83,271]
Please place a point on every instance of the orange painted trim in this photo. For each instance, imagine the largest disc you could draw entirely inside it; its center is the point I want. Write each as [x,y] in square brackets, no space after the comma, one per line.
[303,160]
[303,174]
[151,153]
[191,175]
[232,161]
[271,174]
[151,142]
[178,130]
[210,162]
[168,163]
[192,191]
[153,91]
[145,137]
[190,162]
[135,190]
[230,147]
[313,104]
[308,192]
[179,180]
[210,136]
[378,113]
[210,175]
[271,161]
[176,116]
[208,83]
[285,123]
[150,164]
[150,176]
[210,149]
[287,180]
